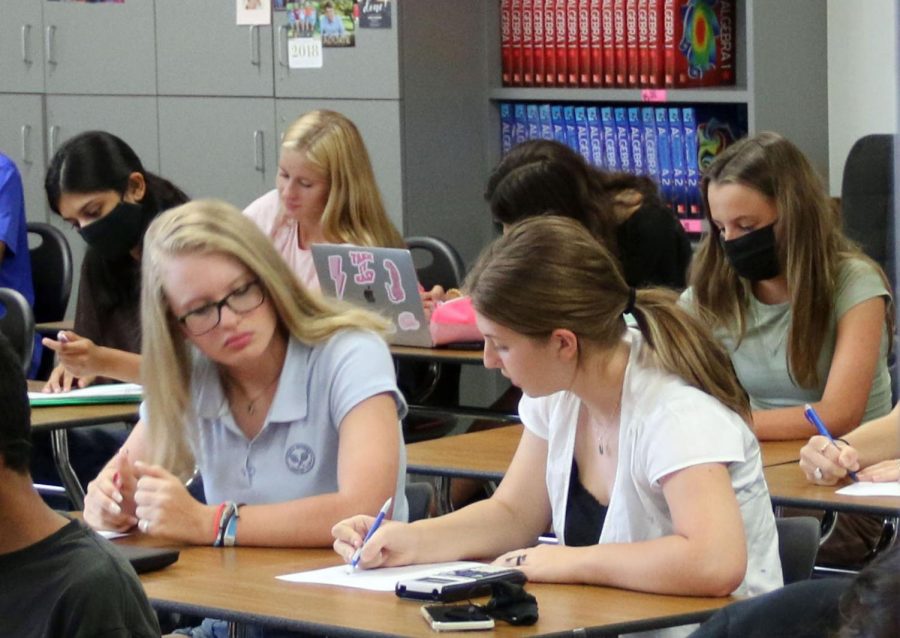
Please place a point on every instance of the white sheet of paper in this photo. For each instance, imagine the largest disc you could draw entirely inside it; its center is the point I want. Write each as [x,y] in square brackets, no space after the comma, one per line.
[305,53]
[382,579]
[111,535]
[866,488]
[100,390]
[254,12]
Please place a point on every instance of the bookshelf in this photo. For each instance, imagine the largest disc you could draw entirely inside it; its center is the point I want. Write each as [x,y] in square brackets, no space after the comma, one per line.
[781,77]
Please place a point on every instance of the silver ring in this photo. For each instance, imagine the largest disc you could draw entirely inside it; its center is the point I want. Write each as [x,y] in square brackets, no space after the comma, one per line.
[144,525]
[818,474]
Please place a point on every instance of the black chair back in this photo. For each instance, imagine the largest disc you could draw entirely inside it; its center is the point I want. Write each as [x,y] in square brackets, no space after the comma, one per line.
[17,324]
[51,272]
[798,544]
[437,262]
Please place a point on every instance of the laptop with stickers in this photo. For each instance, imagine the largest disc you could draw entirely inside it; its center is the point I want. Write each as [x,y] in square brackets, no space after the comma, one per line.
[379,279]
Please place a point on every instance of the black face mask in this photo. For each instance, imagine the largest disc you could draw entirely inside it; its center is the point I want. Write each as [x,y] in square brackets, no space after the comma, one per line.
[755,255]
[114,235]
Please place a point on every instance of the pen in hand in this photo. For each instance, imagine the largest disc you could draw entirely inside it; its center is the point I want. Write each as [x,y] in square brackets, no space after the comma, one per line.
[813,417]
[354,561]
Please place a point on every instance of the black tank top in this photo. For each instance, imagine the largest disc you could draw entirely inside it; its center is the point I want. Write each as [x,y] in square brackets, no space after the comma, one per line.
[584,514]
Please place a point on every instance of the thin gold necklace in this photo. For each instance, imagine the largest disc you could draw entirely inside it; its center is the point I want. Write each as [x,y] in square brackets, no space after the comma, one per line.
[251,402]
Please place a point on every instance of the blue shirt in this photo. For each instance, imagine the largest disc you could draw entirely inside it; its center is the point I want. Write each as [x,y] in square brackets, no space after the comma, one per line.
[332,27]
[294,455]
[15,268]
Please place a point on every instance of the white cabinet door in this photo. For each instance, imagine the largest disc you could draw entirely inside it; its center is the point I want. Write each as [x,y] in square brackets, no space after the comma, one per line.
[21,51]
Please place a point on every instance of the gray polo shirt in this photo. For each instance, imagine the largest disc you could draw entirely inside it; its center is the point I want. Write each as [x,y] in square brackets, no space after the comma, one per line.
[295,453]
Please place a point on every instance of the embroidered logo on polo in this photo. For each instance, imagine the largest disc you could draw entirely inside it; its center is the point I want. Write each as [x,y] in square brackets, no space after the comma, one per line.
[300,458]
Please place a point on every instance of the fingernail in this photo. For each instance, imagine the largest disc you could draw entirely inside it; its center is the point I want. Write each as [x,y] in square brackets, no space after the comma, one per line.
[115,509]
[117,497]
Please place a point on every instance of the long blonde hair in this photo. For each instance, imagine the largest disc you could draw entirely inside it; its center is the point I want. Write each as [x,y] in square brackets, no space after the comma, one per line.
[354,213]
[207,227]
[548,272]
[811,248]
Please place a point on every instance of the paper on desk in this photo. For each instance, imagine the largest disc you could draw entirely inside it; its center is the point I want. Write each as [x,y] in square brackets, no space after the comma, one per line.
[866,488]
[382,579]
[103,393]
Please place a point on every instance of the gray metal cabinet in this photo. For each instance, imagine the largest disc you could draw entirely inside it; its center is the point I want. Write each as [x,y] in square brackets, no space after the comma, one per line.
[21,50]
[219,147]
[200,51]
[370,70]
[99,48]
[378,122]
[21,139]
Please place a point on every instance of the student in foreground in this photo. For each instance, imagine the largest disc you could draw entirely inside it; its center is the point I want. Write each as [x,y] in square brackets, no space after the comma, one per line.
[286,403]
[637,447]
[872,451]
[58,577]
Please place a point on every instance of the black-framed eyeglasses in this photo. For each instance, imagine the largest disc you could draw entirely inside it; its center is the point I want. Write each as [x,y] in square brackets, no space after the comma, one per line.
[241,300]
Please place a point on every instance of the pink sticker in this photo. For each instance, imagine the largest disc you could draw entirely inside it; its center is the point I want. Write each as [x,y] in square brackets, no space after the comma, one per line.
[337,274]
[654,95]
[407,321]
[692,225]
[362,259]
[394,286]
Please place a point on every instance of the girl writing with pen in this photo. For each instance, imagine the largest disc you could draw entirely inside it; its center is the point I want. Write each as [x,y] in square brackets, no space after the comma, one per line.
[805,316]
[637,447]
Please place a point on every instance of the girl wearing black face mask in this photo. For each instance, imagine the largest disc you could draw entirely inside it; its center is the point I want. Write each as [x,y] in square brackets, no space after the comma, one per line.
[97,183]
[804,314]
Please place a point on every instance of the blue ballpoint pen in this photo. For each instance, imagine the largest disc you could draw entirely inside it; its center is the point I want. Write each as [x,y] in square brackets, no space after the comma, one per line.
[375,525]
[813,417]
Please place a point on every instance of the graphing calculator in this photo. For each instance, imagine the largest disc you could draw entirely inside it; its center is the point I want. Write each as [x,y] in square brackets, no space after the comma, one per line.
[457,584]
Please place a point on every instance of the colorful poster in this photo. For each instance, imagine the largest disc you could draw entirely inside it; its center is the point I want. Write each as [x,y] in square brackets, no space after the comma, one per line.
[254,12]
[374,14]
[330,21]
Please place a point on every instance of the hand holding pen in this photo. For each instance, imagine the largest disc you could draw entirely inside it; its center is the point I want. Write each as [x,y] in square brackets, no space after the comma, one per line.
[813,417]
[354,561]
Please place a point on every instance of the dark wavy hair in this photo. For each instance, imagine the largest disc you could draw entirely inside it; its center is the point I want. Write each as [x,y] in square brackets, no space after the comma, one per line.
[15,425]
[869,607]
[99,161]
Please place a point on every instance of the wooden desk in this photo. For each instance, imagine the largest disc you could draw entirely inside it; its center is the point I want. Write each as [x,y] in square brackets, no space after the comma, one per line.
[480,455]
[450,356]
[788,486]
[780,452]
[59,419]
[239,584]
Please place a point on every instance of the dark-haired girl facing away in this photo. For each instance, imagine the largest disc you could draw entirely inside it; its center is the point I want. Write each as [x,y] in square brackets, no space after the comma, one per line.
[97,183]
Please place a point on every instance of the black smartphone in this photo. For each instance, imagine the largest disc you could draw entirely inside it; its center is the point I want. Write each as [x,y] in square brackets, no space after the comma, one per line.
[457,584]
[456,617]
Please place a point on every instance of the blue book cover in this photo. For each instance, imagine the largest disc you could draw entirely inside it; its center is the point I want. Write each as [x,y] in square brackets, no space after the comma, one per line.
[679,161]
[636,138]
[623,143]
[595,133]
[584,142]
[520,123]
[546,124]
[610,148]
[506,127]
[534,122]
[651,152]
[571,128]
[689,124]
[664,153]
[559,123]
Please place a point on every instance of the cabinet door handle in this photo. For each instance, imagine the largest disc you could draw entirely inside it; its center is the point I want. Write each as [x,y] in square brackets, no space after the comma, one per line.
[254,45]
[26,43]
[53,133]
[26,143]
[259,150]
[282,44]
[50,44]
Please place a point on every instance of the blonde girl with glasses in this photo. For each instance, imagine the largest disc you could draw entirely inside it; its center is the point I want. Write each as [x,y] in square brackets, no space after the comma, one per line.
[286,403]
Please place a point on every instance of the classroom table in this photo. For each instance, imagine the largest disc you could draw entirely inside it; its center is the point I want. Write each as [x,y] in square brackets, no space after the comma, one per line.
[788,487]
[451,356]
[59,419]
[238,584]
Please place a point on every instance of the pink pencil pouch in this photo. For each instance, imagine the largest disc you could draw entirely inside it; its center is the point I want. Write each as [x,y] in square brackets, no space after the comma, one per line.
[454,322]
